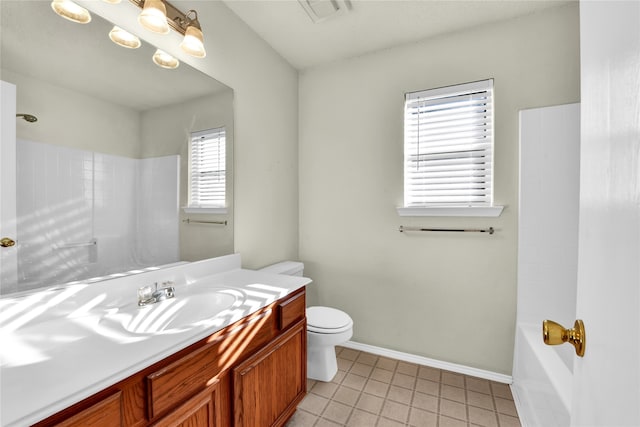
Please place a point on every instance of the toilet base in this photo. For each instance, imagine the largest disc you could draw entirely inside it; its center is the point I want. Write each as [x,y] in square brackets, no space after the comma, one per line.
[321,363]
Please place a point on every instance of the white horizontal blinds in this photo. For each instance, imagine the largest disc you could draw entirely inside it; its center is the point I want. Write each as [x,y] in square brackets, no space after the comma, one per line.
[448,143]
[208,169]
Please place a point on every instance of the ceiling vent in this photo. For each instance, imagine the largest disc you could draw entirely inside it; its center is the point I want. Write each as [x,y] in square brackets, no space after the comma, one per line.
[321,10]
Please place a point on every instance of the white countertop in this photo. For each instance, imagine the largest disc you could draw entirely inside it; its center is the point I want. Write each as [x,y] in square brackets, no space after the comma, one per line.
[51,357]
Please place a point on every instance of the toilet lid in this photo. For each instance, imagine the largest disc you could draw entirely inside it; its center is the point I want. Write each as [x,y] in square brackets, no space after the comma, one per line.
[327,320]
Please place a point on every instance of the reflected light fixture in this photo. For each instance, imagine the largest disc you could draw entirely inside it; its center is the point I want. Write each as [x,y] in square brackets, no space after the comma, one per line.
[71,11]
[193,42]
[154,16]
[124,38]
[164,60]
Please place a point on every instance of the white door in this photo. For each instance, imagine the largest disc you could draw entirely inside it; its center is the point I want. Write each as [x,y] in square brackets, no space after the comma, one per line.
[8,255]
[607,379]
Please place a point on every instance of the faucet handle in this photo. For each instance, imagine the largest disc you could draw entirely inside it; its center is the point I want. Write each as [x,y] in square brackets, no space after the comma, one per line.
[145,292]
[170,291]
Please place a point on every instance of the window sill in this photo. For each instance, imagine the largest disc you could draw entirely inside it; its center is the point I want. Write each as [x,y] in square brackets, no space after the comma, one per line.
[488,211]
[189,210]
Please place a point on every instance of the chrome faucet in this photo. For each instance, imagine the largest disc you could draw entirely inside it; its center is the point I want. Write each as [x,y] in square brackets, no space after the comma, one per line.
[151,294]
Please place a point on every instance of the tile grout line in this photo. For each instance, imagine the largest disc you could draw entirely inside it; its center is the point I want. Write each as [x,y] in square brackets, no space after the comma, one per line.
[441,373]
[351,408]
[466,406]
[386,395]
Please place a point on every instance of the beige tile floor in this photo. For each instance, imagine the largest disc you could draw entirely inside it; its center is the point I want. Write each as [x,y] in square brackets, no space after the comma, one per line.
[370,390]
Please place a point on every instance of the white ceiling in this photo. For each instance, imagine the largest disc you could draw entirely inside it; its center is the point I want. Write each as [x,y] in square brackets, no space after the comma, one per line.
[370,25]
[39,44]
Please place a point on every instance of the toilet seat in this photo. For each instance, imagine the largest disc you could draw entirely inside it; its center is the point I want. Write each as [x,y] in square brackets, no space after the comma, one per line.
[327,320]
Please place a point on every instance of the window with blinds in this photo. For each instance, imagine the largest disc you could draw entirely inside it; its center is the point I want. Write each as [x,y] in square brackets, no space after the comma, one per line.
[207,169]
[448,146]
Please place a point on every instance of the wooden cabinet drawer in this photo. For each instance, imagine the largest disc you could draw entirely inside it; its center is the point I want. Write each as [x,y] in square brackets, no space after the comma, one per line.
[202,410]
[106,413]
[180,380]
[291,310]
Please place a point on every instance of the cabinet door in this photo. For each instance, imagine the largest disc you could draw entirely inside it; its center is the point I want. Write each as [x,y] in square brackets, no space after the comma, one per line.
[202,410]
[269,385]
[106,413]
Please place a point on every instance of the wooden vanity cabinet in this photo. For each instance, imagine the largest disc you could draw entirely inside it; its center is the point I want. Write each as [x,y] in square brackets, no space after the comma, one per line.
[251,373]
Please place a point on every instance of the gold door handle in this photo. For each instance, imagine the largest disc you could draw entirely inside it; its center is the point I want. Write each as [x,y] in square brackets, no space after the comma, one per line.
[554,333]
[6,242]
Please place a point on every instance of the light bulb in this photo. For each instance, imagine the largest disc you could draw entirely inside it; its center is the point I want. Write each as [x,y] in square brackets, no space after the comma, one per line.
[71,11]
[193,42]
[124,38]
[154,16]
[164,60]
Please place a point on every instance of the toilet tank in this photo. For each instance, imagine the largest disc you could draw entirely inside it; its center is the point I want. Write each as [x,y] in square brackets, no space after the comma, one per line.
[290,268]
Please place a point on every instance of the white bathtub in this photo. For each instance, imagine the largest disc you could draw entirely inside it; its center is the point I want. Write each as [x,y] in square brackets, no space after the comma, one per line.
[542,380]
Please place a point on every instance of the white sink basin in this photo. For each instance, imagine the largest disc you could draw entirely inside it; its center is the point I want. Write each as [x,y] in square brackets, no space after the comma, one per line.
[183,312]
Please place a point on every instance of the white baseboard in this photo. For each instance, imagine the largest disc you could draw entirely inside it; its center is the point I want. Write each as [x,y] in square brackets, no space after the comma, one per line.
[411,358]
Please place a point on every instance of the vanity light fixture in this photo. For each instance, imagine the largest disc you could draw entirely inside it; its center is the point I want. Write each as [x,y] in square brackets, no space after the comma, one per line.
[193,42]
[154,16]
[186,24]
[71,11]
[124,38]
[164,60]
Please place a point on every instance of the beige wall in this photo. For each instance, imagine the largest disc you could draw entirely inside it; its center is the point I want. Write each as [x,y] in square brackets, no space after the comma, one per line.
[446,296]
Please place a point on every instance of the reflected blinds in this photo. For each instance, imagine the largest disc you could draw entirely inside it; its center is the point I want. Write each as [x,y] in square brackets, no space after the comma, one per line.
[207,173]
[448,146]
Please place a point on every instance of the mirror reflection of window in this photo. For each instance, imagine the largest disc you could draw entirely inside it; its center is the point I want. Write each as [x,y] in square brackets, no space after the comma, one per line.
[207,169]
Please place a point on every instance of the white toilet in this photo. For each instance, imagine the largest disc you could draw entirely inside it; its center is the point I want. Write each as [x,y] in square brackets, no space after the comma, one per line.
[326,328]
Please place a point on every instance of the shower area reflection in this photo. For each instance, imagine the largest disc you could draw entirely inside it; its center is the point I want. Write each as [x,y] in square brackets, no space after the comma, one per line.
[83,214]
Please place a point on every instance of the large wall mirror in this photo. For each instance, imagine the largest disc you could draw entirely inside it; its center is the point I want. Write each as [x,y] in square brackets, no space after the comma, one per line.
[102,175]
